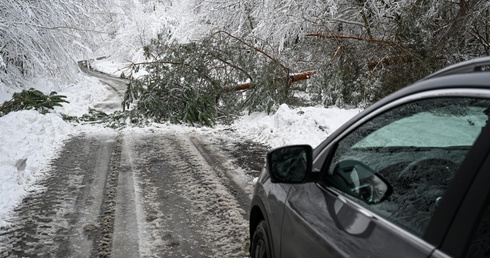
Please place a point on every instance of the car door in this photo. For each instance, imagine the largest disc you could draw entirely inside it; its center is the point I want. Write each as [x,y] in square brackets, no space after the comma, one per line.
[468,235]
[383,179]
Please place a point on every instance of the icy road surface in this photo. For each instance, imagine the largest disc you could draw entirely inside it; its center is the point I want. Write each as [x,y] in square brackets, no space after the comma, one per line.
[141,192]
[136,194]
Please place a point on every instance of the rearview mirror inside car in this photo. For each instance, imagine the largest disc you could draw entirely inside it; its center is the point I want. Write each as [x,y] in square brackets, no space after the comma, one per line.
[360,181]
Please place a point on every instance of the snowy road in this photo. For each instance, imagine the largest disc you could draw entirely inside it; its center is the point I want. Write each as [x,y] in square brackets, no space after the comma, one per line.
[138,192]
[134,194]
[117,87]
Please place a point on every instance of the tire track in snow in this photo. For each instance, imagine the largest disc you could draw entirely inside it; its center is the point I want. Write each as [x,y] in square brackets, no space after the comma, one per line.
[227,226]
[61,217]
[134,195]
[188,210]
[239,188]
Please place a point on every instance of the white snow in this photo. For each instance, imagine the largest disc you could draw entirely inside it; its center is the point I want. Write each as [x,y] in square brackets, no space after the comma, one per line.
[305,125]
[116,68]
[2,63]
[29,140]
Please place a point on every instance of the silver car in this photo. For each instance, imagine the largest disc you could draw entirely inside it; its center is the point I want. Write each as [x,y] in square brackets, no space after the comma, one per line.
[407,177]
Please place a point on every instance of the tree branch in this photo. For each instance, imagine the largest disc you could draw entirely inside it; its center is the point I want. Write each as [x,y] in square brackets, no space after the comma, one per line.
[348,22]
[292,78]
[255,48]
[337,36]
[236,67]
[59,27]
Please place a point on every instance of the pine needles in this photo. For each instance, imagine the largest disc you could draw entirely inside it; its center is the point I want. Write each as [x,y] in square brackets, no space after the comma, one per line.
[32,99]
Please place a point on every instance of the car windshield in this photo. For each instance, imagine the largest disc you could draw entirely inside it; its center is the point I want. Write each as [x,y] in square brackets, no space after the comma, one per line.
[445,130]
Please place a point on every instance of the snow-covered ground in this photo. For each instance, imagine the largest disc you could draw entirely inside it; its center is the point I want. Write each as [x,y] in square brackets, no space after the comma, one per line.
[29,140]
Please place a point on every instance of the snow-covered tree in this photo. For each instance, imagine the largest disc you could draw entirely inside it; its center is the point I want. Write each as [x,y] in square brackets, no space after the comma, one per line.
[132,25]
[45,38]
[358,50]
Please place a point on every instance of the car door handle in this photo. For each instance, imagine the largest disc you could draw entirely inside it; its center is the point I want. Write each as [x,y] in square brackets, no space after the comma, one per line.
[355,206]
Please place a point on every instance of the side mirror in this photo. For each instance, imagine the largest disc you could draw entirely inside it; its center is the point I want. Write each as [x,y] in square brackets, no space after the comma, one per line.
[290,164]
[360,181]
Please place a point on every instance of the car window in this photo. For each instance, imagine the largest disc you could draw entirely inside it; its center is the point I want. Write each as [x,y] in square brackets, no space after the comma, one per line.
[406,157]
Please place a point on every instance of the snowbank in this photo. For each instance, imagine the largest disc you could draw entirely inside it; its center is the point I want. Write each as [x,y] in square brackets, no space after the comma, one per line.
[305,125]
[29,141]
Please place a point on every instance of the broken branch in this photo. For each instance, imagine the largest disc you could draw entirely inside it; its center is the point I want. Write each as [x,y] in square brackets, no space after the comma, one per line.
[292,78]
[337,36]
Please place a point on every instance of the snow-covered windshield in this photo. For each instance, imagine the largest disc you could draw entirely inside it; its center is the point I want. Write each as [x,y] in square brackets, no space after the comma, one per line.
[430,129]
[443,131]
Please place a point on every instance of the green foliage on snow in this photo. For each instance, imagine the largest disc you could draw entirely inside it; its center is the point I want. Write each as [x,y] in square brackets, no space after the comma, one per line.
[32,99]
[116,119]
[195,83]
[93,115]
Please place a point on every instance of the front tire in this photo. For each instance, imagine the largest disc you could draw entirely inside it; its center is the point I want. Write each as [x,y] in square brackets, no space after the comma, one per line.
[261,247]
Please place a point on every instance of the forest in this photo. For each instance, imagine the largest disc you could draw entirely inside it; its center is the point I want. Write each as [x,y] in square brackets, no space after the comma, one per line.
[211,60]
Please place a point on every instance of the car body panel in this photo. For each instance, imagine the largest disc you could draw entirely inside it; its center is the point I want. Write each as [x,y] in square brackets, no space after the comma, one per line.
[341,228]
[271,198]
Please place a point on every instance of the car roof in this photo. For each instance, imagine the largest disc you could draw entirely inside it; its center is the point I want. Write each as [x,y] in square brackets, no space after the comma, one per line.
[469,74]
[470,66]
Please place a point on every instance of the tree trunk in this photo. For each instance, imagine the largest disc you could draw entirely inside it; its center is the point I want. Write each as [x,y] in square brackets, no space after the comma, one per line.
[292,78]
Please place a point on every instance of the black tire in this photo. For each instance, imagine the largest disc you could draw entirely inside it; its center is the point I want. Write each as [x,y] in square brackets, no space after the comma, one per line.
[261,247]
